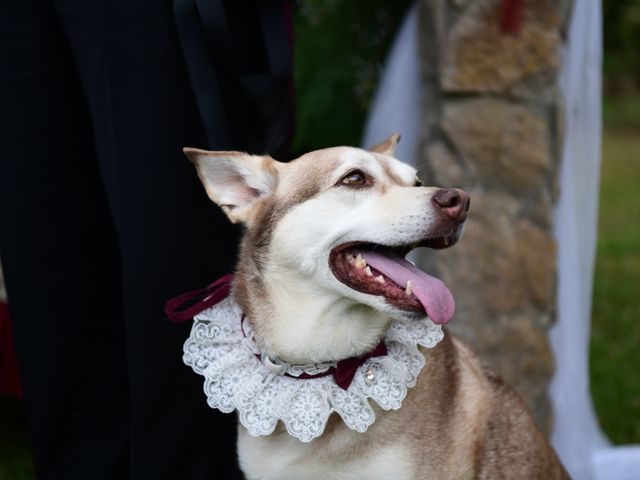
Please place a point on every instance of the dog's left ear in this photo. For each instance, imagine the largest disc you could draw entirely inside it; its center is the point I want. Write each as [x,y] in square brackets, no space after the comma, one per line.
[235,180]
[388,146]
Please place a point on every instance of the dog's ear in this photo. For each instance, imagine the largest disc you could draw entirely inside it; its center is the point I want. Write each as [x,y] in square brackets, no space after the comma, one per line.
[388,146]
[235,180]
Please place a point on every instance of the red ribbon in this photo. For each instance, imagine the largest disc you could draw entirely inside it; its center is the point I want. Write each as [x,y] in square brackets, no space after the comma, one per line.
[346,369]
[184,307]
[511,16]
[9,377]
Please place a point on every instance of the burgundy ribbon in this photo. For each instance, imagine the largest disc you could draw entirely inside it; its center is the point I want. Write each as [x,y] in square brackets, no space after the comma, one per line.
[511,20]
[184,307]
[346,369]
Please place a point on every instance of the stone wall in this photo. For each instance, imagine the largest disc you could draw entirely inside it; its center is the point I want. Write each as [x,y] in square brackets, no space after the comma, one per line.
[493,127]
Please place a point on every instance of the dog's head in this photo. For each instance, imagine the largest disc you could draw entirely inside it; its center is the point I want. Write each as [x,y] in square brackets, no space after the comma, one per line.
[322,269]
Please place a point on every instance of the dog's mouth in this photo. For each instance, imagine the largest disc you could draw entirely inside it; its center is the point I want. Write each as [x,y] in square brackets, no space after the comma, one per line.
[382,270]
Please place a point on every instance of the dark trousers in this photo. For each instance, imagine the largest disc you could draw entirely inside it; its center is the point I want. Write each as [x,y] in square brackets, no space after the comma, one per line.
[102,220]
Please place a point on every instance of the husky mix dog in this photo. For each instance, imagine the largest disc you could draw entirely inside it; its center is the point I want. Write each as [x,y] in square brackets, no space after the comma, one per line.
[321,278]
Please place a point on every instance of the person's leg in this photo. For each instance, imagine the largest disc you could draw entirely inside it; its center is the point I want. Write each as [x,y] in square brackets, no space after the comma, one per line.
[60,256]
[173,239]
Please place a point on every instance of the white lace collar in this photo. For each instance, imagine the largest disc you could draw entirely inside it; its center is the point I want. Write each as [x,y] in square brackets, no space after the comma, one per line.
[237,379]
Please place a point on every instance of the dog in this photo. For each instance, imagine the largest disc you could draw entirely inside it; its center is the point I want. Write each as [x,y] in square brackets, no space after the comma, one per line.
[321,282]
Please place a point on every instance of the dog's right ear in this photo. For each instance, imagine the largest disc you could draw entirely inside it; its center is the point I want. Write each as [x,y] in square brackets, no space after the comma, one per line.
[235,180]
[387,146]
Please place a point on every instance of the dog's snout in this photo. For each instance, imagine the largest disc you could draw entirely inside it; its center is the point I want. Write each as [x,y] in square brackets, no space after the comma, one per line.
[453,202]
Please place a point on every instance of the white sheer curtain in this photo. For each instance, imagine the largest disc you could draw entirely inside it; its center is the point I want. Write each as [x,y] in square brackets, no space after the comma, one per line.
[396,107]
[576,436]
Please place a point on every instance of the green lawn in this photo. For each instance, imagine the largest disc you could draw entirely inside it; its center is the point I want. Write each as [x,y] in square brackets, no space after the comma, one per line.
[615,339]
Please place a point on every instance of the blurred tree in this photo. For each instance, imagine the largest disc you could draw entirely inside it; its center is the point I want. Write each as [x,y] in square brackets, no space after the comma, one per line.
[621,20]
[340,50]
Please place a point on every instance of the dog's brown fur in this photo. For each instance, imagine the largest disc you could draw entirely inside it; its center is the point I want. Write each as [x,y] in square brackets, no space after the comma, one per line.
[459,422]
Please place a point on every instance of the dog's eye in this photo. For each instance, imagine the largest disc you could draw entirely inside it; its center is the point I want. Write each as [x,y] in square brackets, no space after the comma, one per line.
[418,183]
[354,178]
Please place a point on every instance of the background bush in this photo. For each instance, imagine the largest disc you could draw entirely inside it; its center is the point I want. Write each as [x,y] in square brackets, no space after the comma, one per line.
[340,51]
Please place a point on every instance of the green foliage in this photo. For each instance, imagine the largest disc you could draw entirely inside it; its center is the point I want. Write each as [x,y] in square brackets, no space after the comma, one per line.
[340,48]
[622,113]
[621,20]
[615,336]
[15,455]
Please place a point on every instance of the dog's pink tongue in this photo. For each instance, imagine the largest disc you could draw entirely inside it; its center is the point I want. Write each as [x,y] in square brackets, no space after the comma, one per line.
[433,294]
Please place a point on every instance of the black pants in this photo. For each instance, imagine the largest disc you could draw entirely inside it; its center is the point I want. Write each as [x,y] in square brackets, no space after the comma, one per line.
[102,220]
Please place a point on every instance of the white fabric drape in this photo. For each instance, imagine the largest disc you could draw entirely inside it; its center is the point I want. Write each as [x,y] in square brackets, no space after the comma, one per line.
[577,436]
[397,107]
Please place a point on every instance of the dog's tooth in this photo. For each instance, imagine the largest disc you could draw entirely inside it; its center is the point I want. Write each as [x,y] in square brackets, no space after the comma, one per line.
[408,291]
[360,262]
[380,279]
[367,271]
[446,241]
[349,257]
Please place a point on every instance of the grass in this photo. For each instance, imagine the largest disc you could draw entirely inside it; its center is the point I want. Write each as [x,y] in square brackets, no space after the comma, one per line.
[615,338]
[15,454]
[622,113]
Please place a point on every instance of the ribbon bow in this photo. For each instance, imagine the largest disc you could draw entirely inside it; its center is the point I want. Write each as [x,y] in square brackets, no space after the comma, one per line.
[184,307]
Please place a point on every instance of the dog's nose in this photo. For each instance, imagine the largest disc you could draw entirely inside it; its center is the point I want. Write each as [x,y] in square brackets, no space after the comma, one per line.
[453,202]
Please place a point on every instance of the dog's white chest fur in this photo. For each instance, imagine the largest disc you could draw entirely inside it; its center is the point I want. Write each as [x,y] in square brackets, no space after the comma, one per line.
[286,458]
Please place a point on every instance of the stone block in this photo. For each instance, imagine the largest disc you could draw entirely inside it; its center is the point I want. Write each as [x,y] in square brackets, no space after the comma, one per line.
[506,144]
[446,170]
[493,126]
[479,57]
[535,254]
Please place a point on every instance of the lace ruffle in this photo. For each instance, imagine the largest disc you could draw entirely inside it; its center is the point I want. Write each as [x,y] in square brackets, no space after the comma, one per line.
[236,379]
